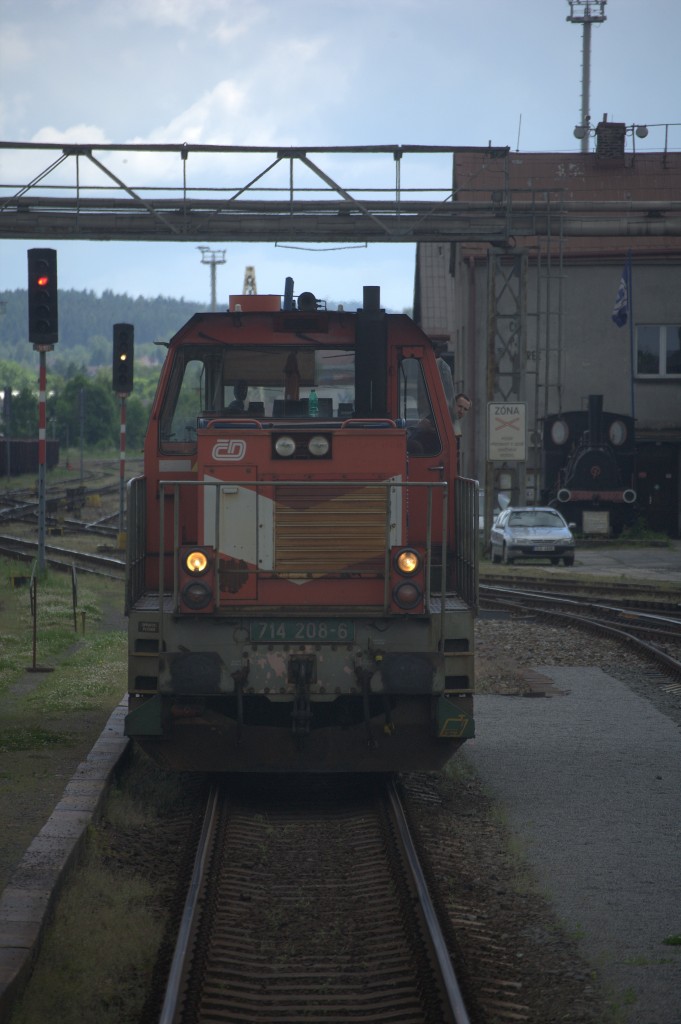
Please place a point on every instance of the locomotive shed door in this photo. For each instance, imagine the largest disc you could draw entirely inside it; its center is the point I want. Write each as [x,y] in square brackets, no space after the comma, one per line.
[657,486]
[238,523]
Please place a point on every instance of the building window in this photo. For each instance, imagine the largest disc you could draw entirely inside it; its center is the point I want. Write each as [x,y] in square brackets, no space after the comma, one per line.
[658,350]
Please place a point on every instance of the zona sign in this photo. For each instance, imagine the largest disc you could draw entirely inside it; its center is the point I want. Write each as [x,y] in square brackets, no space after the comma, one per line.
[506,431]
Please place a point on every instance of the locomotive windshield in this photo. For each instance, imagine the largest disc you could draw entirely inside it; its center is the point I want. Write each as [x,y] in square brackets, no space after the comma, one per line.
[257,382]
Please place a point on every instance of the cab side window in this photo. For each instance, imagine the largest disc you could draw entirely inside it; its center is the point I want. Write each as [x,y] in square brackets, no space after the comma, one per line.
[416,409]
[185,401]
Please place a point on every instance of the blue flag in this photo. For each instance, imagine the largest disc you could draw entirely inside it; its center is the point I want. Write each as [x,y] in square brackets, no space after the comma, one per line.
[620,311]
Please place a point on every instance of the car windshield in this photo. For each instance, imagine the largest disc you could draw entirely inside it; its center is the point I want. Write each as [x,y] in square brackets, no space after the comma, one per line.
[535,517]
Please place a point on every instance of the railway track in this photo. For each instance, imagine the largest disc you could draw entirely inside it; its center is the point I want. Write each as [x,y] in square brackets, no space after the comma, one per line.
[62,558]
[656,636]
[310,904]
[637,594]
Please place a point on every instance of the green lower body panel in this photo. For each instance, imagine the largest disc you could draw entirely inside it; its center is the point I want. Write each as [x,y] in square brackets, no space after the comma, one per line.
[453,720]
[146,718]
[409,733]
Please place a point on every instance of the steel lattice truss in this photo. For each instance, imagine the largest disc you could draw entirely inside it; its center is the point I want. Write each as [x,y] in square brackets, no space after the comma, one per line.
[169,193]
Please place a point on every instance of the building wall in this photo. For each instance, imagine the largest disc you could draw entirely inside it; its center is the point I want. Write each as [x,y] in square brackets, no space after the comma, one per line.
[603,204]
[573,348]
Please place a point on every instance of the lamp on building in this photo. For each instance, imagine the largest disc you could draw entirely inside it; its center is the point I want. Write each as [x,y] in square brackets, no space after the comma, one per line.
[610,136]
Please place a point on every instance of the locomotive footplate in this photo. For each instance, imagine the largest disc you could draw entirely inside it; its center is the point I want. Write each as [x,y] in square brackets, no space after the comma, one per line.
[302,673]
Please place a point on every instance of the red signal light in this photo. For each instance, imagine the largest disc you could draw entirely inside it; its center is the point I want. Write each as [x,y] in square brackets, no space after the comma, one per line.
[42,298]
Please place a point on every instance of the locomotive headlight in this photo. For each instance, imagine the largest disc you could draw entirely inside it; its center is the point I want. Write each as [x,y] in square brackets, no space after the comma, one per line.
[318,445]
[407,561]
[285,446]
[196,595]
[196,562]
[407,595]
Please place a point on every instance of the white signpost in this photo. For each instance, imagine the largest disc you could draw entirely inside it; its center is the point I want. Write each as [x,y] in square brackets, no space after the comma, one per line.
[506,431]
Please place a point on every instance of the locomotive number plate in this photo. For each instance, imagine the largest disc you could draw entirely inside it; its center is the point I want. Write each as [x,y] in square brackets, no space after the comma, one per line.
[302,631]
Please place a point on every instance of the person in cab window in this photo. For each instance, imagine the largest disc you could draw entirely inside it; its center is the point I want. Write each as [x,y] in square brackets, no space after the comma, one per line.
[238,403]
[462,404]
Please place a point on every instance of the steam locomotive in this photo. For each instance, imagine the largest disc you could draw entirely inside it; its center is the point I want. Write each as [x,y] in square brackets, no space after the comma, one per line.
[588,467]
[301,555]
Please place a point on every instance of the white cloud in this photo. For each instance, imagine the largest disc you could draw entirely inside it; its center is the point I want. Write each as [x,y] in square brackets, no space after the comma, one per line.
[76,133]
[312,73]
[15,48]
[187,15]
[238,23]
[215,115]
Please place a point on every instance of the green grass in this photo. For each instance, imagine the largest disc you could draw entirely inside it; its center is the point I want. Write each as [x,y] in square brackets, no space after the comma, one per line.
[57,685]
[18,737]
[92,673]
[80,977]
[97,959]
[54,640]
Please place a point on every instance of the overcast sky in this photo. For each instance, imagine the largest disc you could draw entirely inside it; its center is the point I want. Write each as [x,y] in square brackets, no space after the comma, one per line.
[310,73]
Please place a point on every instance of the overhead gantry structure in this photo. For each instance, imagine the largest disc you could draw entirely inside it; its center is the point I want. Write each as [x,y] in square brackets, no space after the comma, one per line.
[398,194]
[210,193]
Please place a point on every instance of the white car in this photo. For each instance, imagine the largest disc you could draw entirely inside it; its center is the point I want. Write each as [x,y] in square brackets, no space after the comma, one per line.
[502,502]
[530,533]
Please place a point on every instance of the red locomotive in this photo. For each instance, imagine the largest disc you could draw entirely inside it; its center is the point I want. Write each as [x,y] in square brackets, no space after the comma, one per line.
[302,559]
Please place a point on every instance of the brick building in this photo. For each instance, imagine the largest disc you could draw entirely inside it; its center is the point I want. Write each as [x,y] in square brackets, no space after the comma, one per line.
[528,319]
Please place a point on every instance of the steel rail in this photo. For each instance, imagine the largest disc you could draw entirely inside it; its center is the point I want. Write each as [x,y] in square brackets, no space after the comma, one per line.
[62,558]
[452,1003]
[545,598]
[539,603]
[435,936]
[190,913]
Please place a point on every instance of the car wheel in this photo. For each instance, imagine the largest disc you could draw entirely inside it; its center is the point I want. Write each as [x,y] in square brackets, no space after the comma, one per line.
[505,558]
[496,557]
[569,560]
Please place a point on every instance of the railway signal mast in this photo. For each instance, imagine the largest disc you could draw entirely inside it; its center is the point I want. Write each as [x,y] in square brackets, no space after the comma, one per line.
[586,13]
[122,383]
[43,333]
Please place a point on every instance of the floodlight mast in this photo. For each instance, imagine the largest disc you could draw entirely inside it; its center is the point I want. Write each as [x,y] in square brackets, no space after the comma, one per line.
[213,257]
[585,13]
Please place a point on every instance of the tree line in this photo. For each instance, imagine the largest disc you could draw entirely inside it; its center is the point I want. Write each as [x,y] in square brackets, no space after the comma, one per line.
[80,399]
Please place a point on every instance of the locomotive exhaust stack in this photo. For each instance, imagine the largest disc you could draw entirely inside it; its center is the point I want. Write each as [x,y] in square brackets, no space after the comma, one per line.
[370,356]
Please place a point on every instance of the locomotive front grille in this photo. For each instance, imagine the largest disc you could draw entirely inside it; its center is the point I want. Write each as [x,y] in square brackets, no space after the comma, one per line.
[331,529]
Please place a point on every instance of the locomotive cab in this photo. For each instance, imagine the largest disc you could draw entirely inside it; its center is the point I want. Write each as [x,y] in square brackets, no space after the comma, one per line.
[302,564]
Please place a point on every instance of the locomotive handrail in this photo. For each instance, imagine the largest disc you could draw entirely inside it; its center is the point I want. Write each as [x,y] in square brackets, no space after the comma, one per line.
[465,550]
[226,422]
[432,487]
[375,424]
[466,540]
